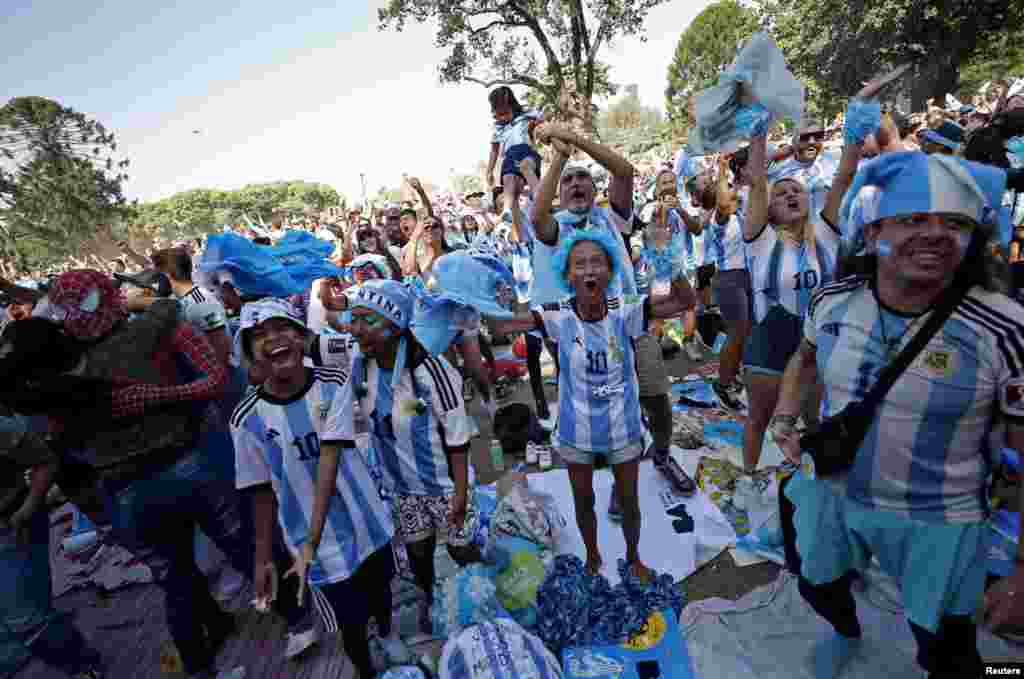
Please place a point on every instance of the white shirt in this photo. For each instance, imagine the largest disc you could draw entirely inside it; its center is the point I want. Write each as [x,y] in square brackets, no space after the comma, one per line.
[203,310]
[278,442]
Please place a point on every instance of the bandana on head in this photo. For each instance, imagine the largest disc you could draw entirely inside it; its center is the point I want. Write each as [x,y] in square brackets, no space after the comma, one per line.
[393,301]
[912,182]
[87,303]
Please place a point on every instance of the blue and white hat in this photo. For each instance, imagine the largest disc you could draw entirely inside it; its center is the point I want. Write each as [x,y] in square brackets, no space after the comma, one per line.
[394,301]
[255,313]
[911,182]
[390,299]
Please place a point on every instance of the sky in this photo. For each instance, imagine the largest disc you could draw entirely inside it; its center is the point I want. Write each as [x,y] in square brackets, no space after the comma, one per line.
[305,89]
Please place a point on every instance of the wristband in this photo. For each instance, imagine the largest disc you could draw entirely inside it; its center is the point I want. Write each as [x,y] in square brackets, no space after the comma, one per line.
[784,417]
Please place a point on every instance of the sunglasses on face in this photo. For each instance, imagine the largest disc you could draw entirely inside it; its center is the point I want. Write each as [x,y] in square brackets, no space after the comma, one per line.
[365,235]
[433,226]
[575,175]
[812,136]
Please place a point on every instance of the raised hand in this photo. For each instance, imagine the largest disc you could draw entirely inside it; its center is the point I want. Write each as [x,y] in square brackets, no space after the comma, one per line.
[877,84]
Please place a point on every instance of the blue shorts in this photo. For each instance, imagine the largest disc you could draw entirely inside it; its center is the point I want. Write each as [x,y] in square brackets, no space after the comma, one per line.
[515,154]
[772,342]
[941,567]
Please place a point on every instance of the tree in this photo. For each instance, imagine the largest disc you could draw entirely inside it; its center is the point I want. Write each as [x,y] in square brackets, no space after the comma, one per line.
[466,183]
[200,210]
[707,45]
[628,112]
[842,43]
[997,59]
[60,179]
[549,47]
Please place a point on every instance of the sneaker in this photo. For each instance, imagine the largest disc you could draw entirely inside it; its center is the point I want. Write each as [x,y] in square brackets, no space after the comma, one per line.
[299,640]
[531,453]
[727,396]
[614,510]
[693,350]
[544,459]
[670,469]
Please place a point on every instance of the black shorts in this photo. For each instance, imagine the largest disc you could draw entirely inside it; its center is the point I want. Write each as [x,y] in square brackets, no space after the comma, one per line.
[704,275]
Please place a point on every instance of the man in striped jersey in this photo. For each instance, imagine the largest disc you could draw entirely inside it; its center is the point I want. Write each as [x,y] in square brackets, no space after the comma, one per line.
[418,426]
[915,496]
[290,437]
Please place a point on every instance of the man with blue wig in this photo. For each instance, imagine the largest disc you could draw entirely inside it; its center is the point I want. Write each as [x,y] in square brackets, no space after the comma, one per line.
[913,494]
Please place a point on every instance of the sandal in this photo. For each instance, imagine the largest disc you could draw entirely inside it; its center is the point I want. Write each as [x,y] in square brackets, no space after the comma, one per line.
[671,470]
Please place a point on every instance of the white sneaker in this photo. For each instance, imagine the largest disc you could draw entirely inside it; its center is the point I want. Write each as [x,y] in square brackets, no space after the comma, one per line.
[544,457]
[299,642]
[396,651]
[531,453]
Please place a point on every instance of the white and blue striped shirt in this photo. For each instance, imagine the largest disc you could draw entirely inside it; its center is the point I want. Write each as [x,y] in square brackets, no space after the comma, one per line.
[926,453]
[413,426]
[278,442]
[515,132]
[598,387]
[786,274]
[724,244]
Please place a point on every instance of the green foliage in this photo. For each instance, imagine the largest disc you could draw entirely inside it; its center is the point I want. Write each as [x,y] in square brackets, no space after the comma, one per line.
[549,47]
[201,210]
[840,44]
[708,43]
[59,179]
[1002,56]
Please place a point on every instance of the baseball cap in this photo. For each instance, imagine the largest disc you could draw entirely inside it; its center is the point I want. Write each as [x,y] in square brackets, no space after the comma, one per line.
[150,279]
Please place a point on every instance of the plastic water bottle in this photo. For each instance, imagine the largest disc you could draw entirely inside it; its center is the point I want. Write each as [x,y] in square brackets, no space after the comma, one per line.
[497,455]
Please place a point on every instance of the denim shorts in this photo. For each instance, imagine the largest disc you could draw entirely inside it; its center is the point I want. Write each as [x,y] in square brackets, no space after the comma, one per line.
[515,154]
[773,342]
[572,455]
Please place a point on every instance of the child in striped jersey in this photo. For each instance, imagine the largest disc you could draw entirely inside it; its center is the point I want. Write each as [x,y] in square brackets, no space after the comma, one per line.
[288,436]
[598,382]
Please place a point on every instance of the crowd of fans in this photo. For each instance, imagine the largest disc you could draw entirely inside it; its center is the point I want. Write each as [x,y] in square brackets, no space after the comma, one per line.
[304,429]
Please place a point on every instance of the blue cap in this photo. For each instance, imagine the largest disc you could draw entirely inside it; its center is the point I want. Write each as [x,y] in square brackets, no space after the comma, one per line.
[479,281]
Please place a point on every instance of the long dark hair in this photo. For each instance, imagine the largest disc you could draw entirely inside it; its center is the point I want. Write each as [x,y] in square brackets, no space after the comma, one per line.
[503,96]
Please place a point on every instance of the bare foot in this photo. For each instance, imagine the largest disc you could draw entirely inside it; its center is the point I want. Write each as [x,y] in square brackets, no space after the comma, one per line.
[641,571]
[594,564]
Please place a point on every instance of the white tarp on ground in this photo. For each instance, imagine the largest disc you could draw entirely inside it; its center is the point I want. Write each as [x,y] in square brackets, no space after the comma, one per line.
[769,633]
[665,543]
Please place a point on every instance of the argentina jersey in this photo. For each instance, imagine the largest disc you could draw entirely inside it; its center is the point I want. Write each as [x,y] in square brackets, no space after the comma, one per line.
[598,387]
[786,274]
[724,245]
[927,455]
[278,442]
[413,425]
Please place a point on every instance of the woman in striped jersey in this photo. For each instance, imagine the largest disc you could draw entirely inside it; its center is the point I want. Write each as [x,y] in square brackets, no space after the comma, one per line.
[790,254]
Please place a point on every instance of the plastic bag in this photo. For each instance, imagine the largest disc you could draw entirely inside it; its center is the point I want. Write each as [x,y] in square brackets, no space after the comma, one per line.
[467,598]
[722,118]
[497,650]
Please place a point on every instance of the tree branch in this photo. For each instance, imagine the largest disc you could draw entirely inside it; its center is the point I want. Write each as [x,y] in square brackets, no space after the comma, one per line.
[515,80]
[497,22]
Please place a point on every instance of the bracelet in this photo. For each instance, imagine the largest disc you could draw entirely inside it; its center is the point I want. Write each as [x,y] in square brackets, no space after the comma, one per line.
[785,417]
